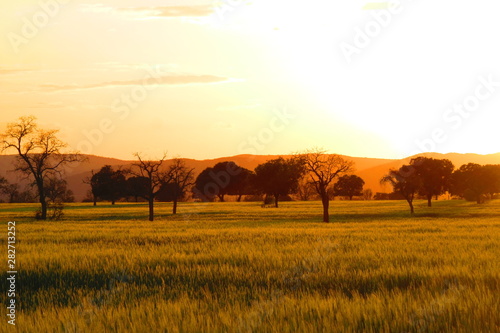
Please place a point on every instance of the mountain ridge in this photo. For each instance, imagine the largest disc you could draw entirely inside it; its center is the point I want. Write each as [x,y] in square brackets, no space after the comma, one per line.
[368,168]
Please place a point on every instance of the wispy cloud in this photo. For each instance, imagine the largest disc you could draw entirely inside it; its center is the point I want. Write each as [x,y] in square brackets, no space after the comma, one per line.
[152,12]
[163,80]
[9,71]
[170,11]
[95,8]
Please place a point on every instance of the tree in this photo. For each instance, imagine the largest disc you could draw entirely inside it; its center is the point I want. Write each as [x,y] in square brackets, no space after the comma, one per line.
[10,190]
[322,170]
[434,176]
[205,188]
[241,183]
[404,181]
[305,190]
[94,190]
[181,178]
[349,186]
[14,194]
[57,191]
[279,176]
[473,181]
[39,153]
[151,170]
[367,194]
[137,187]
[492,174]
[224,178]
[108,184]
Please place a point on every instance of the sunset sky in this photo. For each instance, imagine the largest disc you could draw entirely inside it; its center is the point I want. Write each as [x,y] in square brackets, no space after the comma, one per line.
[206,79]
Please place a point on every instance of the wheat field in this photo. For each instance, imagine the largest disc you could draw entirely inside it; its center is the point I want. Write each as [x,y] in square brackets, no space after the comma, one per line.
[237,267]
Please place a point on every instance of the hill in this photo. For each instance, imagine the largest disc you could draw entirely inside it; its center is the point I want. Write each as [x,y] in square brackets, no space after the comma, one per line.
[370,169]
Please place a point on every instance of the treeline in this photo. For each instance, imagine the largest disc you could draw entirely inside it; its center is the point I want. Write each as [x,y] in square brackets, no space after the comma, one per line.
[272,181]
[55,188]
[430,178]
[312,174]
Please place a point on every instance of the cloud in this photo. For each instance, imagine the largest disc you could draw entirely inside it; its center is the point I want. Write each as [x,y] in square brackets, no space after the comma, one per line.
[151,12]
[245,108]
[8,71]
[95,8]
[163,80]
[170,11]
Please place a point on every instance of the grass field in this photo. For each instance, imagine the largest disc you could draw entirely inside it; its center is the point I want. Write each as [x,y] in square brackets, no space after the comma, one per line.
[237,267]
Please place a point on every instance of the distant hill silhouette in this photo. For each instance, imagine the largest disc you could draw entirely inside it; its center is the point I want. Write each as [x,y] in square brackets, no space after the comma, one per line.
[370,169]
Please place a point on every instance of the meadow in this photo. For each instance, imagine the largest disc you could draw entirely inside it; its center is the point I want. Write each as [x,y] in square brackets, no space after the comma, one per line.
[237,267]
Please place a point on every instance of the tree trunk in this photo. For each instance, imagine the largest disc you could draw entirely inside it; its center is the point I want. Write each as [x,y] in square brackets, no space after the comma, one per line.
[326,204]
[95,201]
[44,208]
[429,200]
[412,211]
[350,197]
[174,210]
[112,202]
[43,201]
[151,209]
[221,197]
[239,198]
[276,198]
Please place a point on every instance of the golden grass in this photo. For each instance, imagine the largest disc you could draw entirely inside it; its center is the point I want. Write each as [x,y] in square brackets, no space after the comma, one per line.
[236,267]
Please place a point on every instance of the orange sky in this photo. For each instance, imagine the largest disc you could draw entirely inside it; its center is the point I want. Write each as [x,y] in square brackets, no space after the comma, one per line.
[204,79]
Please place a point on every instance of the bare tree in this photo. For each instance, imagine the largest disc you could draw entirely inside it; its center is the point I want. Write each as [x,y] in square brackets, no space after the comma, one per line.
[39,154]
[305,190]
[10,190]
[367,194]
[92,193]
[152,171]
[323,169]
[56,190]
[181,177]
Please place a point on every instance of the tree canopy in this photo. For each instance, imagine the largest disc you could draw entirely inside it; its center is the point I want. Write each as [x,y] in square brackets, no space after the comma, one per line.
[279,177]
[224,178]
[349,186]
[404,181]
[434,176]
[108,184]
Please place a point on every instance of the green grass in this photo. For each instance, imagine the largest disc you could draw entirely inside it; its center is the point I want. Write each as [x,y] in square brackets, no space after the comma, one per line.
[237,267]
